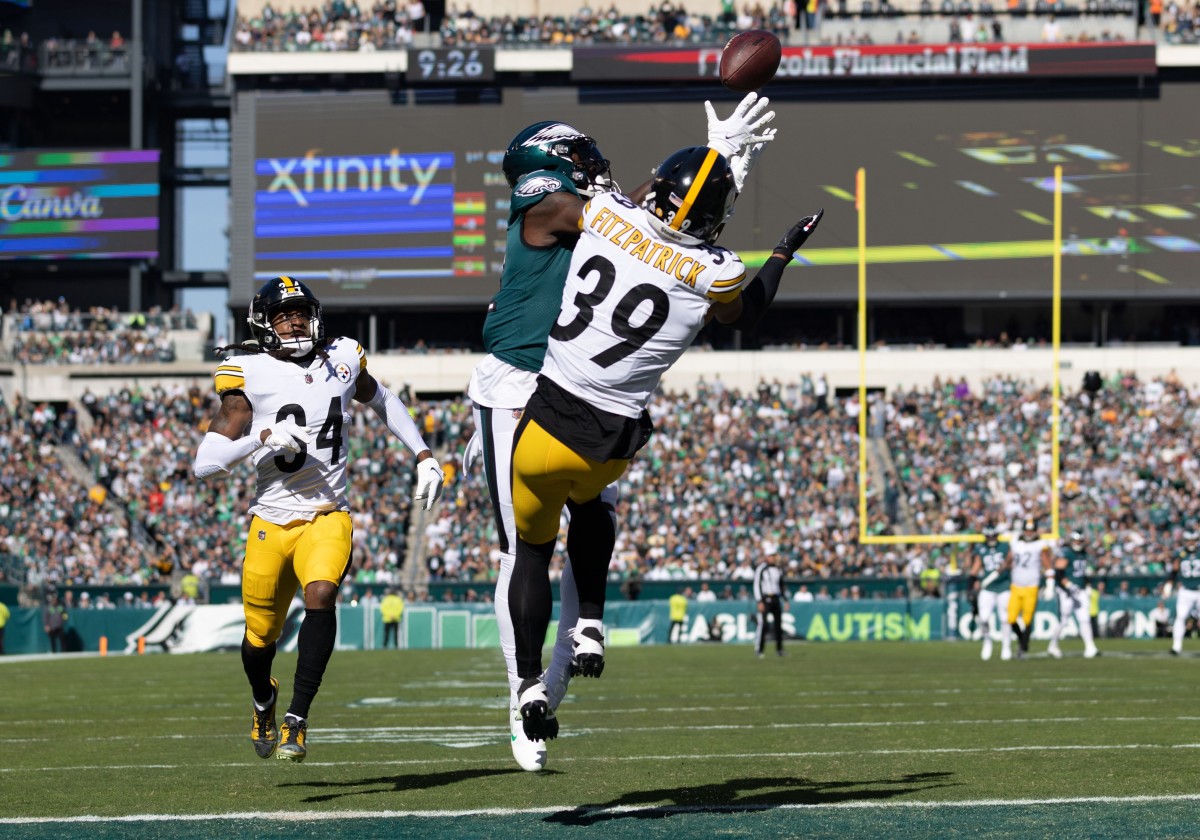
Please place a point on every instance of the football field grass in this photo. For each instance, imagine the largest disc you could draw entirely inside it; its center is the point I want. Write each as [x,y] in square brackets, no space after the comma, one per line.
[834,740]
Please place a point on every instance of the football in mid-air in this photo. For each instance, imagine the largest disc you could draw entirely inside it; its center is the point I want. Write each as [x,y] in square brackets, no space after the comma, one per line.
[750,60]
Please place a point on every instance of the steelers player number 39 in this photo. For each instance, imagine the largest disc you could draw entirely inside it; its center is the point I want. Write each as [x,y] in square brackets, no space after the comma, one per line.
[330,436]
[634,337]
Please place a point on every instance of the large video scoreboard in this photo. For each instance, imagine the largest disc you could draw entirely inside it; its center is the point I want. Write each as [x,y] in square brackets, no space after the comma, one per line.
[377,201]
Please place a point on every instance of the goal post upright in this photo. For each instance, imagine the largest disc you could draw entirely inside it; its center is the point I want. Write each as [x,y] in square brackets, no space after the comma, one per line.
[860,204]
[1056,375]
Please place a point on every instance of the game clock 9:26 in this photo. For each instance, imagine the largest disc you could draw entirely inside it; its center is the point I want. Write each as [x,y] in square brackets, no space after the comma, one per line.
[451,64]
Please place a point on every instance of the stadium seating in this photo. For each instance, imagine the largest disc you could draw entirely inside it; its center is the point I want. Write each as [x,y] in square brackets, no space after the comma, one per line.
[724,471]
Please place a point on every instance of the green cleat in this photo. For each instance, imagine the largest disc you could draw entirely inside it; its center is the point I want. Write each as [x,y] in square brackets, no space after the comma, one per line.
[291,747]
[264,734]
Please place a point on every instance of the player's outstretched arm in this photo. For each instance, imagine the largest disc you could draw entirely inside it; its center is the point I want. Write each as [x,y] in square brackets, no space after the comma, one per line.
[744,127]
[225,443]
[744,311]
[388,407]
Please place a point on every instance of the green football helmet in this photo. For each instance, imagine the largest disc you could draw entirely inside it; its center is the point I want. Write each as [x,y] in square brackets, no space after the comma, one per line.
[557,147]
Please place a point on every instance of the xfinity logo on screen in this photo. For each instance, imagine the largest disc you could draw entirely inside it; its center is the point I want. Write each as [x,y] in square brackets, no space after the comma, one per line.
[410,175]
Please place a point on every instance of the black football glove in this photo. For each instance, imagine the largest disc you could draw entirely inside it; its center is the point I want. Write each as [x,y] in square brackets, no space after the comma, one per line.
[797,235]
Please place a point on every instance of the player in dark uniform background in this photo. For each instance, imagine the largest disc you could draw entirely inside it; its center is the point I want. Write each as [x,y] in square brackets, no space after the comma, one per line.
[1072,569]
[1185,576]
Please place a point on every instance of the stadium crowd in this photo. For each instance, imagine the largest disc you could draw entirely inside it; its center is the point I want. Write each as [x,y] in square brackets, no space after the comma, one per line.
[724,473]
[51,332]
[336,25]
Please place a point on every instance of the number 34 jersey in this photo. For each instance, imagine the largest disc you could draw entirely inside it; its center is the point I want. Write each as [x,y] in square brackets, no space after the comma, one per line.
[632,304]
[305,484]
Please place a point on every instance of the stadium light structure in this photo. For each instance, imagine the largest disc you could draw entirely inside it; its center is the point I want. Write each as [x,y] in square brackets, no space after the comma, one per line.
[864,538]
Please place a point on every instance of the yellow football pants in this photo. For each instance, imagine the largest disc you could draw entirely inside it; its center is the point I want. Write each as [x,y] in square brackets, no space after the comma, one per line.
[280,558]
[545,473]
[1022,601]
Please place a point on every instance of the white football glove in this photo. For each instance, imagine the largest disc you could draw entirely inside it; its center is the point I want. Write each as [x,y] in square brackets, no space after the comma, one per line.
[429,483]
[286,436]
[742,162]
[743,128]
[472,452]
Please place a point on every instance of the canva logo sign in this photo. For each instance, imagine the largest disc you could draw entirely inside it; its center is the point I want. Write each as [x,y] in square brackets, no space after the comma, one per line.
[16,205]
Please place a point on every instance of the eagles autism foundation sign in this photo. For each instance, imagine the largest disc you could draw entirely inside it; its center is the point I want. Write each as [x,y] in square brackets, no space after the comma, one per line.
[880,61]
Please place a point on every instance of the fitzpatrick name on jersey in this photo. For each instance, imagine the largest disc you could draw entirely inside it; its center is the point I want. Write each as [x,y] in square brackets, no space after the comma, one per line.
[631,306]
[302,485]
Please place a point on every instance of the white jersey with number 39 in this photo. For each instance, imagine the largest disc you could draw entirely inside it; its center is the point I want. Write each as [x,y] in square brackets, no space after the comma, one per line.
[632,304]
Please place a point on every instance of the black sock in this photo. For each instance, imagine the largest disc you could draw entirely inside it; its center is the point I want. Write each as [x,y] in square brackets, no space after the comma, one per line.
[314,644]
[590,540]
[530,602]
[256,662]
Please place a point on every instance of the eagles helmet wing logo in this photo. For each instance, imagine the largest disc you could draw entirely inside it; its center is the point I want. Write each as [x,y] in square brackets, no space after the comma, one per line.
[538,184]
[558,131]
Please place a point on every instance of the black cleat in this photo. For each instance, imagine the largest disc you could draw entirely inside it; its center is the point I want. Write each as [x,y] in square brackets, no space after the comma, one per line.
[292,735]
[588,658]
[264,734]
[537,718]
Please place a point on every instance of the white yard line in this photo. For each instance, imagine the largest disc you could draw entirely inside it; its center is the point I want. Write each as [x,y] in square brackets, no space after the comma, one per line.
[1030,748]
[326,816]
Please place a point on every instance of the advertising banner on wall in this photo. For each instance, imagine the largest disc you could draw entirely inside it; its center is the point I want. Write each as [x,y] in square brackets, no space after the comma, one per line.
[372,201]
[58,205]
[858,62]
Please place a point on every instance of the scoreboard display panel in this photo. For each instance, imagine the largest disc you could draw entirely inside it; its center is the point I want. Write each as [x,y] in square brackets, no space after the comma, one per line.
[374,200]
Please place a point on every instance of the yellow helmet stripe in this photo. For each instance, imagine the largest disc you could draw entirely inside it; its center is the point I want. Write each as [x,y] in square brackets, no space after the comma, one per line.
[697,185]
[288,282]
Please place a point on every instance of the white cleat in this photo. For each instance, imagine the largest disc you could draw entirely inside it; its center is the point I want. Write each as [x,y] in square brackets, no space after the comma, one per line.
[1091,653]
[530,755]
[986,653]
[1005,654]
[1054,652]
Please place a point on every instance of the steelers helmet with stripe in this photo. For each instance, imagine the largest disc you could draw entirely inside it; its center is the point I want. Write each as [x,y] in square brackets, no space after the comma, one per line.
[691,194]
[285,293]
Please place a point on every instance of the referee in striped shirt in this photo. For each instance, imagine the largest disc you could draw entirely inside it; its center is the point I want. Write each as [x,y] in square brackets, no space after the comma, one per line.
[768,592]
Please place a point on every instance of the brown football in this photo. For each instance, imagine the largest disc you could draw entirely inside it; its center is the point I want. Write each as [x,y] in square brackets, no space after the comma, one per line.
[750,60]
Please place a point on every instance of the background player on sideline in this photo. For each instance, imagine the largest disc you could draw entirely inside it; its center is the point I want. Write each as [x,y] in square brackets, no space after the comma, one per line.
[642,283]
[553,168]
[1029,557]
[990,565]
[286,406]
[1072,569]
[1186,576]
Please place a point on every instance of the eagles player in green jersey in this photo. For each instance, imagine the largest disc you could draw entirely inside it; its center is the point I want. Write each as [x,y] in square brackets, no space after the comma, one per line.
[990,565]
[554,169]
[1185,575]
[1072,569]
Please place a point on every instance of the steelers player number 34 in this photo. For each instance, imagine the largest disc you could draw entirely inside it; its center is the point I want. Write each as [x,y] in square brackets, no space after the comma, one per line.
[330,436]
[450,65]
